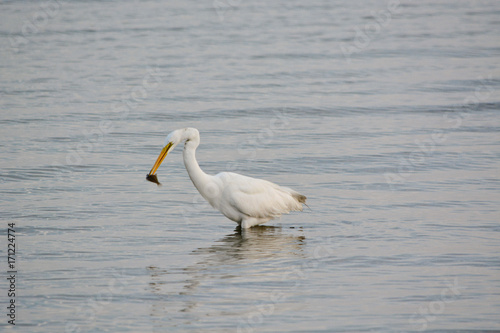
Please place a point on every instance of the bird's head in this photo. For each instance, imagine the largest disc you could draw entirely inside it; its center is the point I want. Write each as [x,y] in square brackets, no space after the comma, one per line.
[173,139]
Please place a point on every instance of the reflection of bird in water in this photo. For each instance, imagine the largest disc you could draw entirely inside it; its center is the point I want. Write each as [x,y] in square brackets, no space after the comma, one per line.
[245,200]
[252,244]
[222,273]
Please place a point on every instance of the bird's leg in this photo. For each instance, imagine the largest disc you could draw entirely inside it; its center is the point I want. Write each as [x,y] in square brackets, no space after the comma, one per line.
[250,222]
[247,223]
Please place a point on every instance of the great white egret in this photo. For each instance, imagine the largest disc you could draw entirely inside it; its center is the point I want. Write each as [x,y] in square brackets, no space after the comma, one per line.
[247,201]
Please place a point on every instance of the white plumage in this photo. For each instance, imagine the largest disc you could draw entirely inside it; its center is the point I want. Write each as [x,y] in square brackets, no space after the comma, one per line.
[245,200]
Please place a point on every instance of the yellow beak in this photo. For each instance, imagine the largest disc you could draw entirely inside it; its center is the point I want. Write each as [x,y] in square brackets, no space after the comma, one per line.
[160,159]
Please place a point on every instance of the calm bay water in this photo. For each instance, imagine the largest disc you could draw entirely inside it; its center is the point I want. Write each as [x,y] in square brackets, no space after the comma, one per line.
[385,116]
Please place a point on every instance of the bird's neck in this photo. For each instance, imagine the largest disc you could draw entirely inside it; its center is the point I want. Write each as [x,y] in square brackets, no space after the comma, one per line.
[199,178]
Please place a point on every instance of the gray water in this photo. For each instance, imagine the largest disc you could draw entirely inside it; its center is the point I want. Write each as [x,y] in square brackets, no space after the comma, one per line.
[385,116]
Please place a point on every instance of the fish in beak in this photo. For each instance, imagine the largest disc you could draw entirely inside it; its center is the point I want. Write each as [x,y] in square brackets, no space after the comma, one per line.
[152,174]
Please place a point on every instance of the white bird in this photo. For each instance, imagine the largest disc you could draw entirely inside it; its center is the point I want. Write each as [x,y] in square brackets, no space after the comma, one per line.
[247,201]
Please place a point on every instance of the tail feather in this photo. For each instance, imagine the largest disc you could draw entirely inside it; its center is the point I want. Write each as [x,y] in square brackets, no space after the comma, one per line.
[300,198]
[295,199]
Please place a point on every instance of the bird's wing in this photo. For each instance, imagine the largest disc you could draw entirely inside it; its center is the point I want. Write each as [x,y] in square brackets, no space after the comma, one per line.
[259,198]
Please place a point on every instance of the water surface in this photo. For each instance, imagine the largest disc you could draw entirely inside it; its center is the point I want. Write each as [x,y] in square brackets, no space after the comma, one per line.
[386,118]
